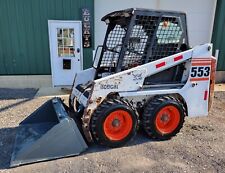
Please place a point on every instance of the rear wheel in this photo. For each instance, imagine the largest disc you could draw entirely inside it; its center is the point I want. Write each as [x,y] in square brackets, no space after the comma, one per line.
[163,117]
[113,123]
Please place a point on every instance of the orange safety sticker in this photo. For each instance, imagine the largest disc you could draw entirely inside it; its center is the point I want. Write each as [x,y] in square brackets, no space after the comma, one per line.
[200,63]
[205,95]
[160,64]
[199,79]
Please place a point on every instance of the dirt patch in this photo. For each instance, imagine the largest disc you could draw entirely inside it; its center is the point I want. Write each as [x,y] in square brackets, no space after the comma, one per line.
[199,147]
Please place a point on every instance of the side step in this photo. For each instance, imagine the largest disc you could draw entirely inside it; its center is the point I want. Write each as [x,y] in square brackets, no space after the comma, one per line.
[48,133]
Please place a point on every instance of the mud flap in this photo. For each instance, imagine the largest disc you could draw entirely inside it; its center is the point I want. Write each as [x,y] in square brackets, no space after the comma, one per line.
[48,133]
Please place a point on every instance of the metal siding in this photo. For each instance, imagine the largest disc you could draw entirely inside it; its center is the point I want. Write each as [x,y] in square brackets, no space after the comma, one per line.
[24,42]
[218,37]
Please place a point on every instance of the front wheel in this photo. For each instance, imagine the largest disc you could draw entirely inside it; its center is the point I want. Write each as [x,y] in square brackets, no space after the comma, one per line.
[113,123]
[163,117]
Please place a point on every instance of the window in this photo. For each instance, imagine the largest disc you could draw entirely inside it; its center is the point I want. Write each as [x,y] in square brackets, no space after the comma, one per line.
[65,41]
[168,32]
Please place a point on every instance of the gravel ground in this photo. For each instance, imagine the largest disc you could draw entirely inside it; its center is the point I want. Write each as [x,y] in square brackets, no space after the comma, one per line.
[199,147]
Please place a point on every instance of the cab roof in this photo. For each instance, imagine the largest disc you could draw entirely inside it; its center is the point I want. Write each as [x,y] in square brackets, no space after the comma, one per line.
[140,11]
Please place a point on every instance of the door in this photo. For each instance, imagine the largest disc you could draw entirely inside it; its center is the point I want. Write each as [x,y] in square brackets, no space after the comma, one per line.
[66,51]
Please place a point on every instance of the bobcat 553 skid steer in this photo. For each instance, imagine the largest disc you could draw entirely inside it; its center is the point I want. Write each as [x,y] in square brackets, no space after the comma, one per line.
[144,74]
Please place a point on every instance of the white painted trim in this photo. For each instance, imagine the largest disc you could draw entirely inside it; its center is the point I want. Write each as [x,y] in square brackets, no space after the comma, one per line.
[51,49]
[63,21]
[81,47]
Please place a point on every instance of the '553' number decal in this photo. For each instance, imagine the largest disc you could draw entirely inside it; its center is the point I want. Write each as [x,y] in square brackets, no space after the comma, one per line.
[198,71]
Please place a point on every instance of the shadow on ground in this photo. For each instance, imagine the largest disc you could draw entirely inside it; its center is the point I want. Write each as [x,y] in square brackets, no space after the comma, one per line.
[8,94]
[26,95]
[7,138]
[8,135]
[140,138]
[14,104]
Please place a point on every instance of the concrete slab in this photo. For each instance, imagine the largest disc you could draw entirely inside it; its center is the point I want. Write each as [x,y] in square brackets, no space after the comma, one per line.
[220,87]
[220,76]
[26,81]
[52,92]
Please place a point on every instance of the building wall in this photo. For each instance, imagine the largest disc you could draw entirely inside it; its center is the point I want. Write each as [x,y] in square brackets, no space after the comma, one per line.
[24,41]
[200,15]
[218,37]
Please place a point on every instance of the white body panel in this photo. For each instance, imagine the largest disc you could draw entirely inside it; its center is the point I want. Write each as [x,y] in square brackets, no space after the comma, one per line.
[130,82]
[194,89]
[84,76]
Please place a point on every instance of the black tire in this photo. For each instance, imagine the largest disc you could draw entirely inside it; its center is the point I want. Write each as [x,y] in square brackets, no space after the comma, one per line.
[71,103]
[152,110]
[74,104]
[99,118]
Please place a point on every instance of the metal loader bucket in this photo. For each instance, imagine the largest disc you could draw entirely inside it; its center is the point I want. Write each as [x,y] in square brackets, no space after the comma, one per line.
[48,133]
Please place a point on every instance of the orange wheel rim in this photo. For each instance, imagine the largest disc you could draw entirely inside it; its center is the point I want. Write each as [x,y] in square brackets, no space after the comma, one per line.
[167,119]
[117,125]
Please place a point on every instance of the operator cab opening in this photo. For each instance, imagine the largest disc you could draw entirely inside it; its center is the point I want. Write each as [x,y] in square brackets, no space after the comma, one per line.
[136,36]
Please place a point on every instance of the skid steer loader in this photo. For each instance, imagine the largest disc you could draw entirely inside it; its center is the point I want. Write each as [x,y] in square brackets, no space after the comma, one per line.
[145,74]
